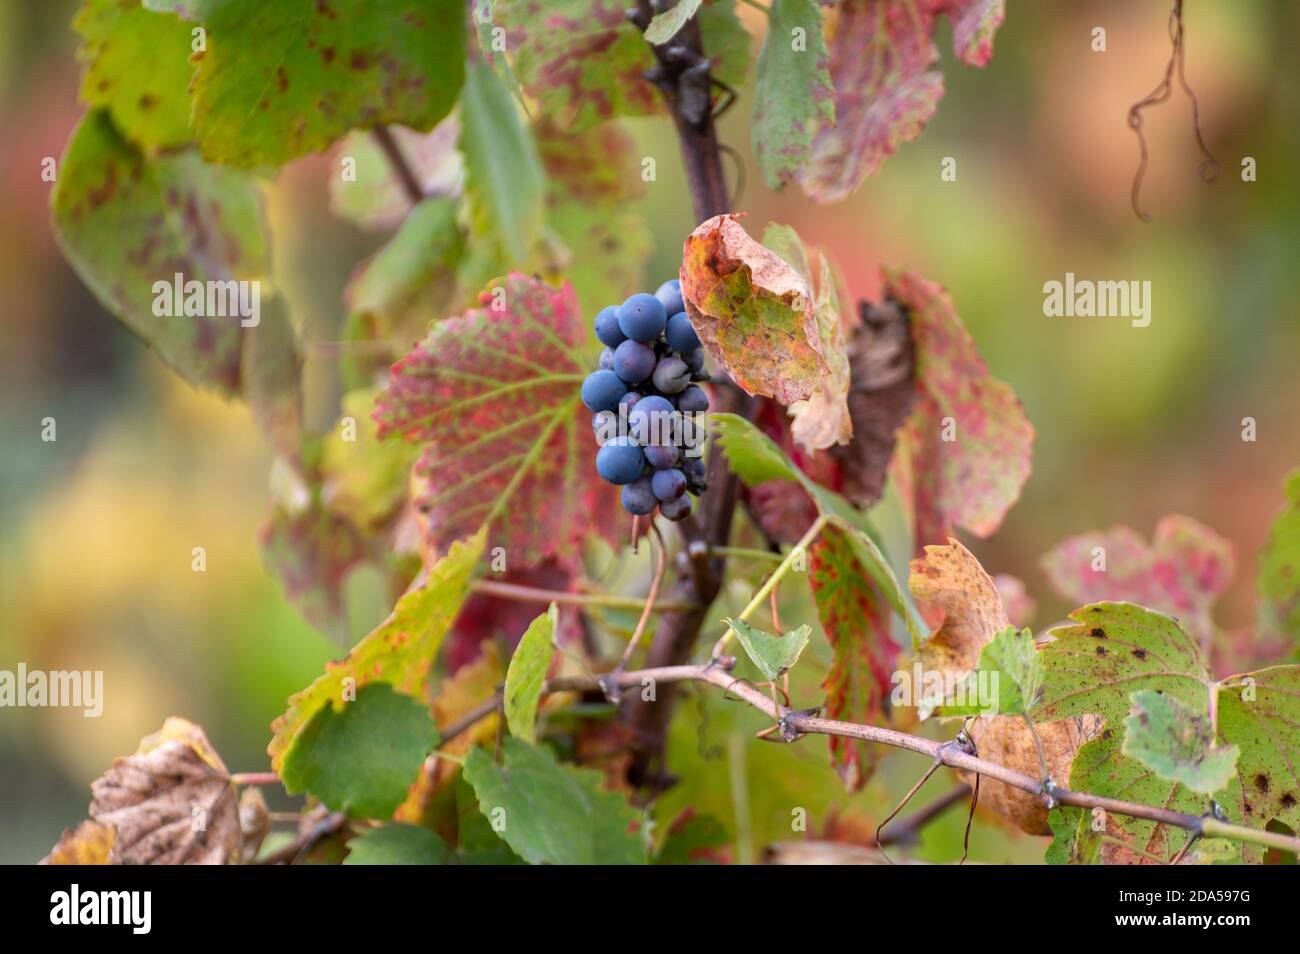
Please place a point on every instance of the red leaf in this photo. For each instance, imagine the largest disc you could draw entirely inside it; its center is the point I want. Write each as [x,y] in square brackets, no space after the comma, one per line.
[881,52]
[494,394]
[856,619]
[964,454]
[1182,572]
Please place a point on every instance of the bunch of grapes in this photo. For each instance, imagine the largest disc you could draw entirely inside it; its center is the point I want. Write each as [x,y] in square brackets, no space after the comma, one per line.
[646,400]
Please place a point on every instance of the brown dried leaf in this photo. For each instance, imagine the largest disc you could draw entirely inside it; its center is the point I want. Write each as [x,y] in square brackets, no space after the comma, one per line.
[172,802]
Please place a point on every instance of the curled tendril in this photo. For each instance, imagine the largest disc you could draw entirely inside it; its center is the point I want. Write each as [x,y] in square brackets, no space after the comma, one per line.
[1209,167]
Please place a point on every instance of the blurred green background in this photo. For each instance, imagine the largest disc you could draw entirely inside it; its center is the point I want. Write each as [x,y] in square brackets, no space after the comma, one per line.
[97,528]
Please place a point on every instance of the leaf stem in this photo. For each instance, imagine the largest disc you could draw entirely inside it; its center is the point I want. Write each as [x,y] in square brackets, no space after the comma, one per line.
[534,594]
[254,778]
[401,168]
[661,561]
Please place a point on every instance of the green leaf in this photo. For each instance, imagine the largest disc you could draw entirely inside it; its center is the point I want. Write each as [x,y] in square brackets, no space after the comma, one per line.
[1177,743]
[1279,569]
[476,842]
[1115,649]
[279,80]
[665,25]
[398,844]
[126,222]
[504,177]
[361,760]
[1013,655]
[150,105]
[754,458]
[793,96]
[363,480]
[399,652]
[550,813]
[725,40]
[527,673]
[772,654]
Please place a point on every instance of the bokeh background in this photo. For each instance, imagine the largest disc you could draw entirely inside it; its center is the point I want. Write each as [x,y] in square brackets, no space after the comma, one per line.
[97,528]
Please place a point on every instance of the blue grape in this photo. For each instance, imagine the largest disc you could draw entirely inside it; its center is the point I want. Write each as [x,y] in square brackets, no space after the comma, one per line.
[620,461]
[633,361]
[668,484]
[670,294]
[671,375]
[639,498]
[629,400]
[651,422]
[661,457]
[694,360]
[601,391]
[681,334]
[607,329]
[676,509]
[607,359]
[693,400]
[604,424]
[642,317]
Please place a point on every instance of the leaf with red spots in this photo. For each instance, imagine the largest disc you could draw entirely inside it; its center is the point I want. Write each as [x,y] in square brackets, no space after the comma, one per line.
[752,311]
[881,52]
[1182,571]
[580,59]
[494,394]
[279,80]
[856,619]
[964,454]
[793,96]
[151,106]
[129,225]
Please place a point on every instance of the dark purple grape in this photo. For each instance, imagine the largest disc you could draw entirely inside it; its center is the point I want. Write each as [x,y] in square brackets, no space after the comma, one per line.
[607,329]
[633,361]
[693,400]
[676,509]
[639,498]
[601,391]
[680,334]
[651,421]
[604,424]
[607,359]
[662,456]
[668,484]
[642,317]
[671,375]
[694,360]
[620,461]
[670,293]
[693,468]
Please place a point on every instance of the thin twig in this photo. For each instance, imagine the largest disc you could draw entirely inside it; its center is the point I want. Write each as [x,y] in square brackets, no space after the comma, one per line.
[661,561]
[401,168]
[534,594]
[254,778]
[907,830]
[305,842]
[902,804]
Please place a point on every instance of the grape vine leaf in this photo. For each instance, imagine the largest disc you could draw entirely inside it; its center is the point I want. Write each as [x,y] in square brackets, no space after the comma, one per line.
[90,843]
[793,95]
[773,654]
[753,312]
[1112,650]
[126,222]
[399,652]
[1182,572]
[1279,570]
[550,813]
[880,54]
[361,760]
[527,673]
[664,26]
[504,179]
[823,419]
[476,842]
[964,454]
[371,196]
[494,394]
[277,81]
[580,59]
[398,844]
[755,459]
[949,579]
[856,620]
[1177,743]
[153,798]
[150,106]
[725,40]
